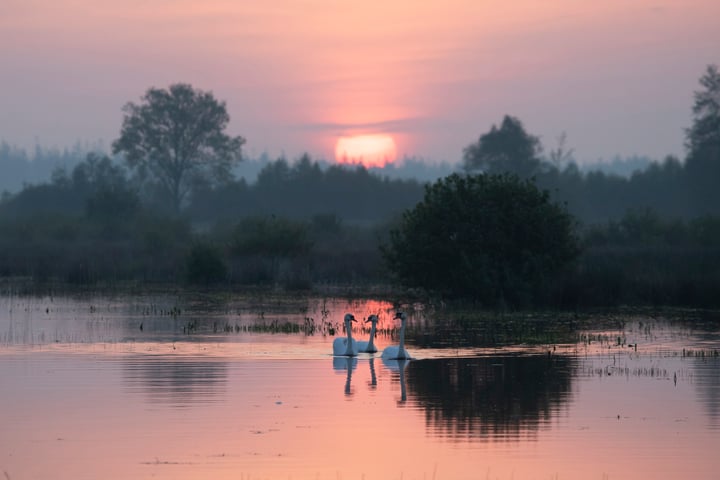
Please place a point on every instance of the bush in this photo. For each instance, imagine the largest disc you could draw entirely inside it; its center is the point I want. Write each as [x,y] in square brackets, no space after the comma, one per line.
[490,238]
[205,265]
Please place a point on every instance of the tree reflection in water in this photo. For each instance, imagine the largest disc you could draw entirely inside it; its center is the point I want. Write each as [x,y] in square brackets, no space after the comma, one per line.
[490,397]
[707,383]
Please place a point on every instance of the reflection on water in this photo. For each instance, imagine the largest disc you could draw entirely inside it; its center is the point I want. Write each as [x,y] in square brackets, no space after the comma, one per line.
[707,382]
[372,383]
[398,367]
[173,381]
[166,318]
[347,364]
[488,397]
[91,395]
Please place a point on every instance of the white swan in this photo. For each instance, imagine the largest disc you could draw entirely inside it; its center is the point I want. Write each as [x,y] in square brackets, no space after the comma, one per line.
[346,346]
[369,346]
[398,352]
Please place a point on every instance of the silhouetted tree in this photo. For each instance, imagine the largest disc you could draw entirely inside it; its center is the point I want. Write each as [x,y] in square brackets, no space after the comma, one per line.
[705,130]
[109,196]
[275,174]
[561,155]
[703,143]
[508,149]
[176,138]
[492,238]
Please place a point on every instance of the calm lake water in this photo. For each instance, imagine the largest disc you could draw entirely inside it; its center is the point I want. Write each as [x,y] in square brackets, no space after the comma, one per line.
[169,387]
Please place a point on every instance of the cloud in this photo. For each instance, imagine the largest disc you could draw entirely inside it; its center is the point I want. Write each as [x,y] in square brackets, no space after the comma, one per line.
[399,125]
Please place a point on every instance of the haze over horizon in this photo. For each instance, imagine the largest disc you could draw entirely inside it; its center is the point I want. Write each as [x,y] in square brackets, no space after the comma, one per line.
[299,74]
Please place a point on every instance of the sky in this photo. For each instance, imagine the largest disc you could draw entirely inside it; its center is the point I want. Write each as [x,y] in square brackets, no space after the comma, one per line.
[617,77]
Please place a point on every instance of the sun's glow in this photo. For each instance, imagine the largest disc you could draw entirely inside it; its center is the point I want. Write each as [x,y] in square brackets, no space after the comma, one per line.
[376,150]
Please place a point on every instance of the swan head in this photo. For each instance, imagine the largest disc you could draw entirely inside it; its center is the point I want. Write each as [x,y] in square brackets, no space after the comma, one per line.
[400,315]
[373,319]
[349,317]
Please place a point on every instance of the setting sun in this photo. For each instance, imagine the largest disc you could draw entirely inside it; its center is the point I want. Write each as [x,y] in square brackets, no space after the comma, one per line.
[375,150]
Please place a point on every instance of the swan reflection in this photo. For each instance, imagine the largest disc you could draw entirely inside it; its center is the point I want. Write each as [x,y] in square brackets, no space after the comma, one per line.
[398,366]
[373,378]
[349,364]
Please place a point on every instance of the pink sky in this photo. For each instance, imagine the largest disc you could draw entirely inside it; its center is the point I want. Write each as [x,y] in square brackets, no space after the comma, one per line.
[617,77]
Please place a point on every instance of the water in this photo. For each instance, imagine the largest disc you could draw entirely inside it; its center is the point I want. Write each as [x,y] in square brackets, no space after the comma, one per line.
[216,389]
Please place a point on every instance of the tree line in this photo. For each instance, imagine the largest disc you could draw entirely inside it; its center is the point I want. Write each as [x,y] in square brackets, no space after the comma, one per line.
[168,209]
[305,187]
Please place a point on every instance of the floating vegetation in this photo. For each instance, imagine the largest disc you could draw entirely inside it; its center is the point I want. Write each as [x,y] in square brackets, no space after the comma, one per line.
[308,327]
[495,330]
[700,353]
[625,371]
[174,311]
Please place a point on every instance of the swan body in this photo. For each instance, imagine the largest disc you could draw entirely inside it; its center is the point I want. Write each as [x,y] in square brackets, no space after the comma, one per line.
[398,352]
[346,346]
[369,346]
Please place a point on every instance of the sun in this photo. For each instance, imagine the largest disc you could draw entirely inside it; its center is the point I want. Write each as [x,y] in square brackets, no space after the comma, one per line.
[375,150]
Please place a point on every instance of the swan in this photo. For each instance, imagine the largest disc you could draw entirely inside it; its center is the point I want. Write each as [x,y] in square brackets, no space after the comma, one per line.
[398,352]
[346,346]
[369,346]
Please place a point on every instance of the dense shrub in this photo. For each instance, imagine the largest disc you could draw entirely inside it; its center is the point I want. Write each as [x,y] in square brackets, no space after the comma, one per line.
[491,238]
[205,265]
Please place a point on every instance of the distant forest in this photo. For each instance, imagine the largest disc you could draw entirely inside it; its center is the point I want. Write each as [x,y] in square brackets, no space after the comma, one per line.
[305,187]
[20,167]
[652,237]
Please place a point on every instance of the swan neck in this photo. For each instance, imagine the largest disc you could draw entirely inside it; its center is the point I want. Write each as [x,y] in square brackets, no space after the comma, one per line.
[401,349]
[371,343]
[349,350]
